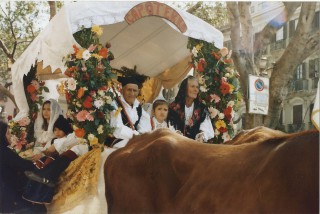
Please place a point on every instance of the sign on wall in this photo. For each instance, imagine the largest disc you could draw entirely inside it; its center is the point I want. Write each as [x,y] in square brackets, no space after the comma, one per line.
[258,95]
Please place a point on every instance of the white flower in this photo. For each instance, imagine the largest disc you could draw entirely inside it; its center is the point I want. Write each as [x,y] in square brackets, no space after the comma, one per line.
[72,84]
[227,75]
[100,129]
[194,51]
[203,88]
[98,103]
[230,103]
[108,100]
[86,55]
[90,137]
[216,132]
[221,116]
[101,93]
[201,80]
[226,136]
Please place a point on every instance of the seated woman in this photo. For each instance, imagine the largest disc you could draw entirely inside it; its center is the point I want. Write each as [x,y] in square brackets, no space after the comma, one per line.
[42,181]
[188,114]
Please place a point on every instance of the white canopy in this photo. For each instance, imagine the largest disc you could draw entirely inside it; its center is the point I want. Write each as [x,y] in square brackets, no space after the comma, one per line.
[152,43]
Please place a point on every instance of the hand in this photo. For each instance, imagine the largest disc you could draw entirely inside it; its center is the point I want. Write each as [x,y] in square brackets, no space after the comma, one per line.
[200,137]
[36,157]
[179,132]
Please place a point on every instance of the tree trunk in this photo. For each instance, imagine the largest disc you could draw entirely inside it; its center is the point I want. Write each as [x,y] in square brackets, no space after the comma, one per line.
[53,9]
[7,93]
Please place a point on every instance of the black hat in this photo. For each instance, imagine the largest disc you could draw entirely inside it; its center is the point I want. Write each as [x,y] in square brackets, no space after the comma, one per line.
[63,124]
[131,76]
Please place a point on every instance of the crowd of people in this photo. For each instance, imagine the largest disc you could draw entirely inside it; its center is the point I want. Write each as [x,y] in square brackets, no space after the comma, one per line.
[56,145]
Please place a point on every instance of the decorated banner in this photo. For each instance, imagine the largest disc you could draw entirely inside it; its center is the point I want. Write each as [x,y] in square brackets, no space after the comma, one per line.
[258,95]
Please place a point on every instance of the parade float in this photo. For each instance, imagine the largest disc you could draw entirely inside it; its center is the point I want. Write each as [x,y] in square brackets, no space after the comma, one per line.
[163,42]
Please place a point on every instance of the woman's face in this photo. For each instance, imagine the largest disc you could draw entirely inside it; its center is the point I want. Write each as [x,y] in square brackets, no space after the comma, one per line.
[46,111]
[161,112]
[192,89]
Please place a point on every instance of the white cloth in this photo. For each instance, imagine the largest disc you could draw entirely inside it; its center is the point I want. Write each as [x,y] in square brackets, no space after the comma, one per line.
[42,136]
[315,116]
[164,124]
[206,126]
[124,132]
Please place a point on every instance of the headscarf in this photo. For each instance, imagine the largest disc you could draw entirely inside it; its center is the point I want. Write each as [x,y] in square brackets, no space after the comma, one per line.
[41,135]
[176,115]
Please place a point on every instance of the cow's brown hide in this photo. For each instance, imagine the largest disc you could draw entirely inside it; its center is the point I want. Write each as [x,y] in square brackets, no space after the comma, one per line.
[168,173]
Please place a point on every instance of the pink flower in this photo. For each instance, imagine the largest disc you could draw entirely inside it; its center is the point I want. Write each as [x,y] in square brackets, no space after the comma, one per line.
[92,47]
[89,117]
[215,97]
[82,115]
[34,97]
[224,51]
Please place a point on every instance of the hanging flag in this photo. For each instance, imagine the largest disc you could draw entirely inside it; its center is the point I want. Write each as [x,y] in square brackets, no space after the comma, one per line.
[315,116]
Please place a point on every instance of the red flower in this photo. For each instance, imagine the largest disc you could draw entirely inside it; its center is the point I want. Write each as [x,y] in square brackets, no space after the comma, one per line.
[222,130]
[202,64]
[88,102]
[227,111]
[104,52]
[100,114]
[68,97]
[215,55]
[9,117]
[224,88]
[31,89]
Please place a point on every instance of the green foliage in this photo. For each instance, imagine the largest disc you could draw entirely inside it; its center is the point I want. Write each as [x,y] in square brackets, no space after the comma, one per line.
[219,86]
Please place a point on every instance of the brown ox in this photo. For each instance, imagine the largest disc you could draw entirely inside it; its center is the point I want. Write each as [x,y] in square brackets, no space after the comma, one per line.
[168,173]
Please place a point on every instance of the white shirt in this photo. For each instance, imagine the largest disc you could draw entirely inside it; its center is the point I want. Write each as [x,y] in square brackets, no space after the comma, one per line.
[70,142]
[206,126]
[124,132]
[158,125]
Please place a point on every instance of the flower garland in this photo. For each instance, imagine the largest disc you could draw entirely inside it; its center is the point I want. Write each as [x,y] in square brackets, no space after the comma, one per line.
[219,86]
[22,131]
[87,90]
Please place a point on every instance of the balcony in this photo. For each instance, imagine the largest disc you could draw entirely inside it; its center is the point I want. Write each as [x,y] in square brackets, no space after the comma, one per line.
[298,85]
[278,45]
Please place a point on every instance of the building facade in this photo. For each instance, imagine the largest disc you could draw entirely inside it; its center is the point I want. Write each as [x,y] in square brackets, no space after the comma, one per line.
[301,91]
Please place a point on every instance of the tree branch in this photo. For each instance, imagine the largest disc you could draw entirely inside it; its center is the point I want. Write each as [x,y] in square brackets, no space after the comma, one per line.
[246,27]
[4,48]
[7,93]
[195,7]
[234,20]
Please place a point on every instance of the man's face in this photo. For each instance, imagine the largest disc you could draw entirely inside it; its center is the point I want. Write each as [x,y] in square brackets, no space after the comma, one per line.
[130,93]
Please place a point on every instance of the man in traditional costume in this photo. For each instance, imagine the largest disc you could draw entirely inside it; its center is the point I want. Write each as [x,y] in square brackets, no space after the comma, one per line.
[132,119]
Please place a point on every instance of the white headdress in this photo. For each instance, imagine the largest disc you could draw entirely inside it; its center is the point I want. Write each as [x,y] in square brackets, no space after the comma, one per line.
[41,135]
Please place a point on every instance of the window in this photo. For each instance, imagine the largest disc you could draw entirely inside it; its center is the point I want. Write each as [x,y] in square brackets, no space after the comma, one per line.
[299,72]
[314,65]
[292,27]
[297,114]
[279,34]
[316,21]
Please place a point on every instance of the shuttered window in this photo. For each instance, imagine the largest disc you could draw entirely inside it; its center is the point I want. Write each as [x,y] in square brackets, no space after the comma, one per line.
[316,21]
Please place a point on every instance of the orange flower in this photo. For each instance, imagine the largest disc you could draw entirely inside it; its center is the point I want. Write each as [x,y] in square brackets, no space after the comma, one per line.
[228,61]
[80,92]
[79,133]
[103,52]
[31,89]
[215,55]
[75,48]
[224,88]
